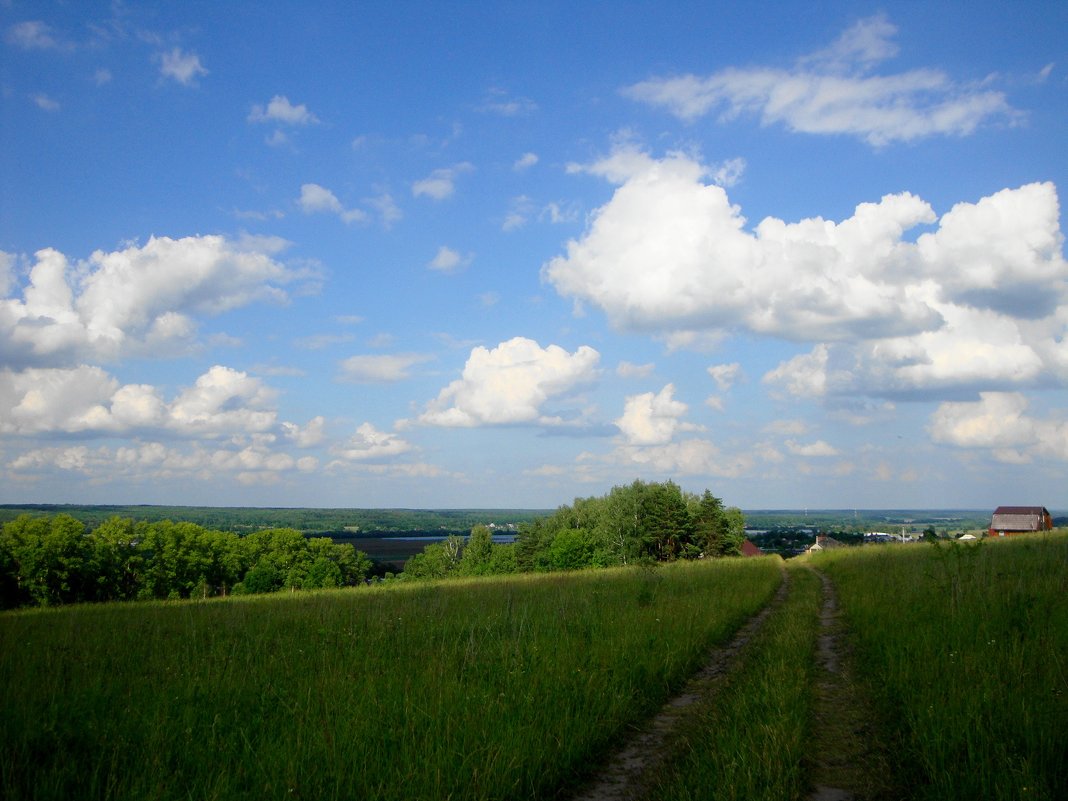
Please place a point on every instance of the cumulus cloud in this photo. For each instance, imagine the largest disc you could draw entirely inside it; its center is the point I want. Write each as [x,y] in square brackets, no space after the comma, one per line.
[834,91]
[280,110]
[725,374]
[999,421]
[315,199]
[379,369]
[85,399]
[979,301]
[511,384]
[127,300]
[368,443]
[524,162]
[447,260]
[651,419]
[182,67]
[441,183]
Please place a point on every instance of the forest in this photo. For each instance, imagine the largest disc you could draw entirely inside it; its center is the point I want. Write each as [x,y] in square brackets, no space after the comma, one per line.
[46,560]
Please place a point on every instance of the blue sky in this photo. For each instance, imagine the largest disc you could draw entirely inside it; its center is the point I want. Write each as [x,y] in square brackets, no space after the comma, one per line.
[507,254]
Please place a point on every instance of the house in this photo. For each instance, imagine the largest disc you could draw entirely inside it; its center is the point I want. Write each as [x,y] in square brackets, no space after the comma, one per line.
[1010,520]
[823,542]
[749,549]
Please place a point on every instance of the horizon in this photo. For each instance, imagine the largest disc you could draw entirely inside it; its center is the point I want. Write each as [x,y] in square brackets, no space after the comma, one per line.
[468,256]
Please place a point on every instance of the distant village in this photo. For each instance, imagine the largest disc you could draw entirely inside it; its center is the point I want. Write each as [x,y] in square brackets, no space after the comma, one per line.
[1005,521]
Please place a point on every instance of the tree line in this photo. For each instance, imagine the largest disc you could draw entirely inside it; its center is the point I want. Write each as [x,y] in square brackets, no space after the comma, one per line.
[58,560]
[631,523]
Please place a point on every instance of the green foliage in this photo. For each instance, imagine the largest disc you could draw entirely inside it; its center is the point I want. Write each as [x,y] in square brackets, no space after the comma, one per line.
[501,688]
[640,520]
[45,561]
[964,646]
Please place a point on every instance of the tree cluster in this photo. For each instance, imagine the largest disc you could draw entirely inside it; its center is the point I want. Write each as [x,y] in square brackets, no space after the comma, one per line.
[657,521]
[57,560]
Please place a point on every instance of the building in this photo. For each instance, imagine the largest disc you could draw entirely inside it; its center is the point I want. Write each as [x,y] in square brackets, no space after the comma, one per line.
[822,543]
[1010,520]
[749,549]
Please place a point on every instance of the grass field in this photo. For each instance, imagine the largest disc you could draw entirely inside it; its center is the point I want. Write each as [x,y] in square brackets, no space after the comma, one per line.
[965,649]
[471,689]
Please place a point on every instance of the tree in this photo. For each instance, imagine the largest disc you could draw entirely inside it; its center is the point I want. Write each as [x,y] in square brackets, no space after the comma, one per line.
[477,552]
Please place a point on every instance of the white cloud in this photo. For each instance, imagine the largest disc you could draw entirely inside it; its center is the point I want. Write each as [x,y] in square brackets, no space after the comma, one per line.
[819,448]
[33,35]
[388,210]
[386,368]
[447,260]
[979,301]
[725,374]
[102,76]
[280,110]
[182,67]
[126,300]
[694,457]
[627,370]
[307,436]
[441,183]
[368,443]
[316,199]
[651,419]
[999,421]
[87,400]
[834,92]
[498,101]
[222,401]
[44,102]
[524,162]
[511,384]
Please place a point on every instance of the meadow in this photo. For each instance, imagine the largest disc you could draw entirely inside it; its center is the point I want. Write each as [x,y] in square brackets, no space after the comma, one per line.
[964,649]
[493,688]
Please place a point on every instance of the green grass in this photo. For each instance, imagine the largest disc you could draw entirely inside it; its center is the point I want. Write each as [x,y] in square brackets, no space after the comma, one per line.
[965,649]
[746,741]
[471,689]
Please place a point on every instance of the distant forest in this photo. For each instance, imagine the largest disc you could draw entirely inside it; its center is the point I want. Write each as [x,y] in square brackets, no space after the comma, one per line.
[239,519]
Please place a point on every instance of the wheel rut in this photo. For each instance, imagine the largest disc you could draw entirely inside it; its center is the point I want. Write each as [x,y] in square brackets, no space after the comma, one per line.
[846,760]
[622,777]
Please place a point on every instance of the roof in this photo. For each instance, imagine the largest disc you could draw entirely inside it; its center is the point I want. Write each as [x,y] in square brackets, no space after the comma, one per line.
[1019,518]
[749,549]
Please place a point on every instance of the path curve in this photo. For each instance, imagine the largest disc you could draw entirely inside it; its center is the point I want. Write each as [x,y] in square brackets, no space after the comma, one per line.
[622,775]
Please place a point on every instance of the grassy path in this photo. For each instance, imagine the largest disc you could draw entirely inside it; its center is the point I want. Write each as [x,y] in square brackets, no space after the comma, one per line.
[845,759]
[627,771]
[774,714]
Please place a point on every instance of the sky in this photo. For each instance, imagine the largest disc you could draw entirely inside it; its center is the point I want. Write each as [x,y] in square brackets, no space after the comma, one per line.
[503,255]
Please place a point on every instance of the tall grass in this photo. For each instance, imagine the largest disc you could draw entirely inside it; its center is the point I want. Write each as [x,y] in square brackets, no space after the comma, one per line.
[466,690]
[747,740]
[966,649]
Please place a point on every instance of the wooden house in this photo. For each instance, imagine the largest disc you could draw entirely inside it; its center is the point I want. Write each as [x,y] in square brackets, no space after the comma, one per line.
[1010,520]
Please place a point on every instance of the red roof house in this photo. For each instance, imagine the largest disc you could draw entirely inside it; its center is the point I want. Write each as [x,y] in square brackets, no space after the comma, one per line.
[1010,520]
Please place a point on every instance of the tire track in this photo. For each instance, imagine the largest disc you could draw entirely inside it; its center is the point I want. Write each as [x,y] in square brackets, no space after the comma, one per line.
[847,761]
[622,776]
